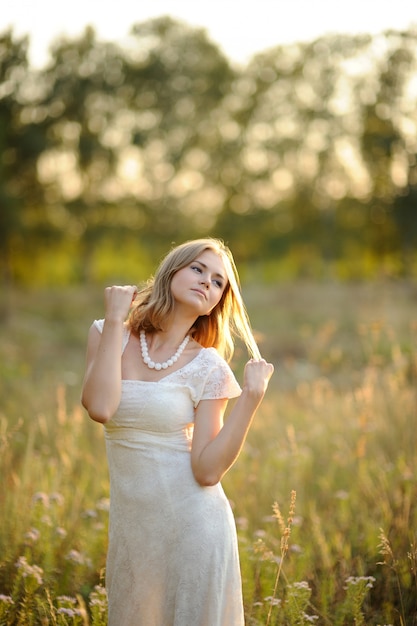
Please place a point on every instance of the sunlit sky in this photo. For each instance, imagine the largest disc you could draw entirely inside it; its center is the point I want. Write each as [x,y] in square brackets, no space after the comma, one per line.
[240,27]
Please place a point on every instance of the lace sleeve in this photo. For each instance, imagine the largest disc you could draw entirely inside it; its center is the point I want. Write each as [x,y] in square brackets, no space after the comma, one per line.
[99,324]
[216,379]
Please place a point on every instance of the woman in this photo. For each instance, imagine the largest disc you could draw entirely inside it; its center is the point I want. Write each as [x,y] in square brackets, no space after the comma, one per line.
[157,378]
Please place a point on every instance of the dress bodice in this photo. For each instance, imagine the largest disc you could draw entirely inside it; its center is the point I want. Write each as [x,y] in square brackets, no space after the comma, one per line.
[167,405]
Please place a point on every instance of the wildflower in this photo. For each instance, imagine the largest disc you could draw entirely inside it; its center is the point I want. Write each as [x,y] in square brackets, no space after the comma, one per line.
[70,612]
[259,547]
[61,532]
[5,603]
[78,558]
[98,605]
[22,562]
[103,504]
[96,602]
[66,600]
[42,498]
[360,580]
[66,611]
[341,495]
[29,571]
[75,557]
[6,599]
[57,498]
[32,535]
[242,523]
[296,548]
[300,585]
[356,590]
[297,601]
[272,601]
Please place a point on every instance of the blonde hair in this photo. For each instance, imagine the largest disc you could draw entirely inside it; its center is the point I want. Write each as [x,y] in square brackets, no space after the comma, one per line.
[154,304]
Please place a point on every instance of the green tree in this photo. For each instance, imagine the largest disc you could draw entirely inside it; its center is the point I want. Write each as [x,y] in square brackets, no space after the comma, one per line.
[128,151]
[322,150]
[22,140]
[384,145]
[293,132]
[81,96]
[178,81]
[307,153]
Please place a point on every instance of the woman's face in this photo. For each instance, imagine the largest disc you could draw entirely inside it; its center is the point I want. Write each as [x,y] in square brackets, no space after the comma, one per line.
[199,285]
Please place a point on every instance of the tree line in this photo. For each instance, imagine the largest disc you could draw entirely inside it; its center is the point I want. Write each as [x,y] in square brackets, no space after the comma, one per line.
[304,160]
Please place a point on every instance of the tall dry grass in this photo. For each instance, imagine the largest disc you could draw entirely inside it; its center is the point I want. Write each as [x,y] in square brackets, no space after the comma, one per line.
[324,493]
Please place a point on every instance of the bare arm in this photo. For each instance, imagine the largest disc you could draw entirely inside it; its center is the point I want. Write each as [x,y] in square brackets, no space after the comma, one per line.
[216,446]
[103,378]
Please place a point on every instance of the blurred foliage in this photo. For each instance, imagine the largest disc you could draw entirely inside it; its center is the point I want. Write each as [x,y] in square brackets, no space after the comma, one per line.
[304,161]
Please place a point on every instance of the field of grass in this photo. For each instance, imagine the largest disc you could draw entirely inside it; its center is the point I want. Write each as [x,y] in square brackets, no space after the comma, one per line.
[324,493]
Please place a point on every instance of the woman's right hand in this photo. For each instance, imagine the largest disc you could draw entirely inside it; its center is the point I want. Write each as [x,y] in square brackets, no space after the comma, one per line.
[256,376]
[118,300]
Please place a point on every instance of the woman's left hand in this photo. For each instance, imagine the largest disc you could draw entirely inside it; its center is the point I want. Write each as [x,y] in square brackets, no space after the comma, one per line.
[257,375]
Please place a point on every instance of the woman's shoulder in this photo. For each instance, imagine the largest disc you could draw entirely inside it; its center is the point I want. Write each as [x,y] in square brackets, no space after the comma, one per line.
[210,360]
[208,355]
[213,377]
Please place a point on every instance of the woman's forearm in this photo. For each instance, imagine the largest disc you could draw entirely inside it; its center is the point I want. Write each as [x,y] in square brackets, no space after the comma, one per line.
[210,465]
[102,384]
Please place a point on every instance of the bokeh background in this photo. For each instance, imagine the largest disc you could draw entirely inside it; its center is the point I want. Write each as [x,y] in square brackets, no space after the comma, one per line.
[303,158]
[290,131]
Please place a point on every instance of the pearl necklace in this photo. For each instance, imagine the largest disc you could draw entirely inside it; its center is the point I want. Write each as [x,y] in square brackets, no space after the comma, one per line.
[160,366]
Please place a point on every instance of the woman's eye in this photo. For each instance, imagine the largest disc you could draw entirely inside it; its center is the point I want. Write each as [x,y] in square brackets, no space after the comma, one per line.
[196,268]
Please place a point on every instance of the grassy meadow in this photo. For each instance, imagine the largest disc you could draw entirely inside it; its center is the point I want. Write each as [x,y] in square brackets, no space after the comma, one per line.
[324,493]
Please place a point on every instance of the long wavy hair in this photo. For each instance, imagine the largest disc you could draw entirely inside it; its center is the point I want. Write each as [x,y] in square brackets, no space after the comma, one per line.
[155,303]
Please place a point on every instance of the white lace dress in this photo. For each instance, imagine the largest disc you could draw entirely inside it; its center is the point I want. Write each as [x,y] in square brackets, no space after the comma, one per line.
[172,557]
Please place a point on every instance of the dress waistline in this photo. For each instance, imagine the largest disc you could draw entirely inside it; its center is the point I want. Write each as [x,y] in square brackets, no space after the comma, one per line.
[178,438]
